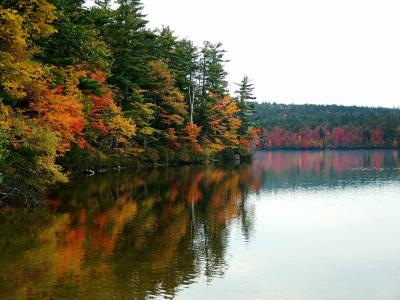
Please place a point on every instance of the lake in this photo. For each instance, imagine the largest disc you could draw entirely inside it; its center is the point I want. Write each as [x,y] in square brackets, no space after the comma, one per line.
[290,225]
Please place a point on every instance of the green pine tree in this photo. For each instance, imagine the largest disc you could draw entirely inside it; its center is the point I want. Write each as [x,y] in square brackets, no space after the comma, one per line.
[245,96]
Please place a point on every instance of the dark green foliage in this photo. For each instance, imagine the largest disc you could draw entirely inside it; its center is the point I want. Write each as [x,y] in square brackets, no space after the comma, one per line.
[76,40]
[212,71]
[91,85]
[129,42]
[4,143]
[245,96]
[295,117]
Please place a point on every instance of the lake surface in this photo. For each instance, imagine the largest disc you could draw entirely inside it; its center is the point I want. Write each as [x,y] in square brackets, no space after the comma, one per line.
[290,225]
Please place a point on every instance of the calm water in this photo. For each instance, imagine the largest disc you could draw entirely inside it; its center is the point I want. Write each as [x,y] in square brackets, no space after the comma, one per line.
[291,225]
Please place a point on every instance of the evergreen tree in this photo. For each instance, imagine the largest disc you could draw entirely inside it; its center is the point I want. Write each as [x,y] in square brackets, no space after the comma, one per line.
[127,35]
[76,39]
[213,74]
[244,96]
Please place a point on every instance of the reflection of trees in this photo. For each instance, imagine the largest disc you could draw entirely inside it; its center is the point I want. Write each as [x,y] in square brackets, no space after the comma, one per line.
[288,169]
[124,235]
[131,235]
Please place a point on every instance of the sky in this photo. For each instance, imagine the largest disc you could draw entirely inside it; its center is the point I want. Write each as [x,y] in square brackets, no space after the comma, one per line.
[309,51]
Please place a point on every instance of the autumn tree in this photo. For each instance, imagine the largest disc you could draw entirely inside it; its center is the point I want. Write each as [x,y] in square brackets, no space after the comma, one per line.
[21,24]
[168,100]
[223,125]
[107,127]
[59,110]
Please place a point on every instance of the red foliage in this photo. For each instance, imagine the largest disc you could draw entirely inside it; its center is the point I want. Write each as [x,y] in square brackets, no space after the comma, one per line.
[377,137]
[317,138]
[346,136]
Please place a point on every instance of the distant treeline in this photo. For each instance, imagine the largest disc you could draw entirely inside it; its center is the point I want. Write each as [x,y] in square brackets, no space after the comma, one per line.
[327,126]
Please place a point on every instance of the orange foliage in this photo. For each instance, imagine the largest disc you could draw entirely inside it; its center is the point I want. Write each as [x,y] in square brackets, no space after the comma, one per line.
[223,125]
[99,76]
[192,132]
[60,110]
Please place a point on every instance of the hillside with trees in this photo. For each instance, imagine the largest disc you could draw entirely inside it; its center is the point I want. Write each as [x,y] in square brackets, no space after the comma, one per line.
[327,126]
[94,87]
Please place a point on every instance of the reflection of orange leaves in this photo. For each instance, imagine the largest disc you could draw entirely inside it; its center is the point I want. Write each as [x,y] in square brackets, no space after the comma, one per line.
[122,211]
[194,193]
[102,268]
[215,176]
[173,191]
[232,209]
[71,251]
[226,198]
[169,242]
[101,220]
[83,217]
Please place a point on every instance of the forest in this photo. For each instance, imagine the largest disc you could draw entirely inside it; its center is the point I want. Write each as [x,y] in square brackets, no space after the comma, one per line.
[326,126]
[92,87]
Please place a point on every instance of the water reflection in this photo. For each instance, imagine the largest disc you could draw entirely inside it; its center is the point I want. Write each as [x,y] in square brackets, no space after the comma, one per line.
[134,235]
[308,169]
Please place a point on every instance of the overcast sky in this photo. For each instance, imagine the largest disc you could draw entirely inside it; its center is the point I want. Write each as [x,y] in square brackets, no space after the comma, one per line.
[308,51]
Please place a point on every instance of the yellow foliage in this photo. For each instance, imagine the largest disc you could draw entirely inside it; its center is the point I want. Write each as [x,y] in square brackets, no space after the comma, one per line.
[168,99]
[121,125]
[12,34]
[18,30]
[4,116]
[19,77]
[224,125]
